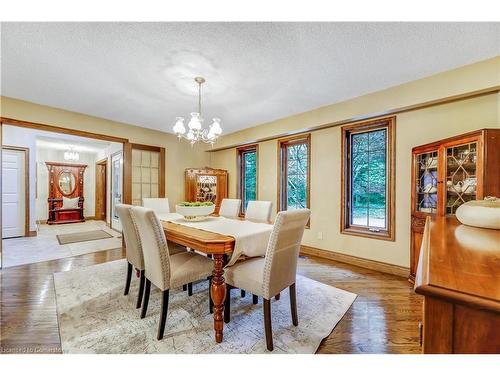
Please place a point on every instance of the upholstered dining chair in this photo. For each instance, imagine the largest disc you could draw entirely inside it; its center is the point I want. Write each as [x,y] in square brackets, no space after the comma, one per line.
[133,249]
[230,207]
[267,277]
[259,211]
[163,270]
[158,205]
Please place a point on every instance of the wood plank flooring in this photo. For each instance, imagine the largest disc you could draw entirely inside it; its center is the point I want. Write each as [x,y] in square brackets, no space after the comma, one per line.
[383,319]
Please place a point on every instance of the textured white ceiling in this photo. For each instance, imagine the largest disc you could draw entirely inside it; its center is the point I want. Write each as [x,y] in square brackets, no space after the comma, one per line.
[142,73]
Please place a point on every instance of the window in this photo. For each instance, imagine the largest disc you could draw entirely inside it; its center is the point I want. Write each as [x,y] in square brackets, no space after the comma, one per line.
[247,175]
[294,173]
[368,186]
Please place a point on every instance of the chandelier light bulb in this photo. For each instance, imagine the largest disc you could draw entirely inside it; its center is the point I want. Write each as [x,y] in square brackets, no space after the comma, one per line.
[215,127]
[195,122]
[179,127]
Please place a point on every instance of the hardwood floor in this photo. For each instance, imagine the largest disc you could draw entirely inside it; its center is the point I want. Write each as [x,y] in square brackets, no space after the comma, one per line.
[383,319]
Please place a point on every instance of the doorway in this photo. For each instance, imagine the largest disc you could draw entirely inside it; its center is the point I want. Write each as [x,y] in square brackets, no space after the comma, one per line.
[100,189]
[15,190]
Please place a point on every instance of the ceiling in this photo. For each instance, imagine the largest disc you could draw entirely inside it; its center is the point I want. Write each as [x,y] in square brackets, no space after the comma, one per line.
[142,73]
[64,142]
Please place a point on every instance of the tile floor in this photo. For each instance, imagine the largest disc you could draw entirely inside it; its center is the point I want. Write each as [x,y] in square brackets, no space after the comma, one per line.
[43,247]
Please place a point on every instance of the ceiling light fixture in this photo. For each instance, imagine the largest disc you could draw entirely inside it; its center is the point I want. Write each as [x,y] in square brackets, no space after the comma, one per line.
[196,132]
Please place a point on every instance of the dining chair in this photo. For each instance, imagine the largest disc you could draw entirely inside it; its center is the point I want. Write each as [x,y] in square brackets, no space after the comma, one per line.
[230,207]
[267,277]
[133,249]
[163,270]
[259,211]
[158,205]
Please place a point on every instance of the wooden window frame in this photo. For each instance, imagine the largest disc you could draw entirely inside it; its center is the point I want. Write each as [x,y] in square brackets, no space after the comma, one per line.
[357,230]
[283,144]
[240,152]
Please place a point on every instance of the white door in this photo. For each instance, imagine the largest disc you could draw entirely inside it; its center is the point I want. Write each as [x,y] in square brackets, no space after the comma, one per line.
[13,193]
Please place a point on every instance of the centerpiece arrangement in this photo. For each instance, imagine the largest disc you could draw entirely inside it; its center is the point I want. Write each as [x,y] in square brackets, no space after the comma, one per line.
[195,211]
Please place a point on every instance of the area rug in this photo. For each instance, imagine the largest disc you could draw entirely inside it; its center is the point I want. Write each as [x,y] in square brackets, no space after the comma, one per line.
[91,235]
[95,317]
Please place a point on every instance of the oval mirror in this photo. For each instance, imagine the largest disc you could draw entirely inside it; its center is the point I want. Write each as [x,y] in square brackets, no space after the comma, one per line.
[67,182]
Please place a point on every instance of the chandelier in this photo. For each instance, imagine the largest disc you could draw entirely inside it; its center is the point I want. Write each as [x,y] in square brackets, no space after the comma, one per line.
[71,155]
[196,132]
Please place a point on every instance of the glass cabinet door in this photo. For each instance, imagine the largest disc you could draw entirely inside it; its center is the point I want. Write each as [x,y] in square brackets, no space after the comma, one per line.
[461,175]
[206,188]
[427,182]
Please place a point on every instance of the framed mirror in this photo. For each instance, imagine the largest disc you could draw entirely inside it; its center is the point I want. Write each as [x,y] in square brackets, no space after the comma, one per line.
[66,182]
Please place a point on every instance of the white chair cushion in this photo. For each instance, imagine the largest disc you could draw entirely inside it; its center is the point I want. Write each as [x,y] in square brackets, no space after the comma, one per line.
[247,275]
[70,203]
[158,205]
[187,267]
[230,207]
[259,211]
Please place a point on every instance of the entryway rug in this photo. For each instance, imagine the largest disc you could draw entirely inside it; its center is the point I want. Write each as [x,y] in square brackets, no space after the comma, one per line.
[92,235]
[95,317]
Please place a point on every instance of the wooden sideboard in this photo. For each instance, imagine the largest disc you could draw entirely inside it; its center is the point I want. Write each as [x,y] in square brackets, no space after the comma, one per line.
[206,185]
[459,276]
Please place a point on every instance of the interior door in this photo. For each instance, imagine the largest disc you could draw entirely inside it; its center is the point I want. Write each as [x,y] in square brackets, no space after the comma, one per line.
[116,188]
[100,190]
[13,193]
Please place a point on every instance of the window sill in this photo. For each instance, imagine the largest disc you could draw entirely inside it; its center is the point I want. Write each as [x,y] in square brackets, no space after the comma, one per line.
[363,232]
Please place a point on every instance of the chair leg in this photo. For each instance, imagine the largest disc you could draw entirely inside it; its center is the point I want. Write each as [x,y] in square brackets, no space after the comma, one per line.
[243,293]
[129,277]
[210,302]
[163,315]
[277,297]
[190,289]
[145,301]
[184,287]
[255,299]
[267,324]
[227,305]
[141,289]
[293,304]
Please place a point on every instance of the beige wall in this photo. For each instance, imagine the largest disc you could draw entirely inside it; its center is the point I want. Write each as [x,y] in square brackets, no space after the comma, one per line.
[412,129]
[180,155]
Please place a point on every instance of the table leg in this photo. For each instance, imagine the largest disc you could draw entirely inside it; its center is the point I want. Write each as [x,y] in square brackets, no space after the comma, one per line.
[218,290]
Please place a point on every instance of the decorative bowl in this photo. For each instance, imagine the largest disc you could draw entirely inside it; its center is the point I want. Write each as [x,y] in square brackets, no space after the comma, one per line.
[195,213]
[480,213]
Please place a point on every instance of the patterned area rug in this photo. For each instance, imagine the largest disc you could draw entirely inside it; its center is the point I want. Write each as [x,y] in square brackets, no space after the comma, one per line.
[95,317]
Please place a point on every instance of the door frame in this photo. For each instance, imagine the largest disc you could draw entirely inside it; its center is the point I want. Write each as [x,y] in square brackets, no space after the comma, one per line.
[26,151]
[102,162]
[126,148]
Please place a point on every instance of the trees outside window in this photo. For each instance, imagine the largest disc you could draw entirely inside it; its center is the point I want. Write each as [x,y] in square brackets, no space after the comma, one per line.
[247,175]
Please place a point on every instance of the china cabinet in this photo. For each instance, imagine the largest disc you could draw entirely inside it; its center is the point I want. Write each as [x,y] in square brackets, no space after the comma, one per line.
[65,181]
[448,173]
[206,185]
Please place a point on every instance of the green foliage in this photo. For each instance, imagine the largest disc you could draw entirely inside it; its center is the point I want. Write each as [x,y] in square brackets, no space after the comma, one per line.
[195,204]
[250,177]
[368,175]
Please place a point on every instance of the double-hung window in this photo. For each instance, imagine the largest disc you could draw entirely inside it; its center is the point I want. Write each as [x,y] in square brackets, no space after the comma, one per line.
[247,175]
[367,207]
[294,172]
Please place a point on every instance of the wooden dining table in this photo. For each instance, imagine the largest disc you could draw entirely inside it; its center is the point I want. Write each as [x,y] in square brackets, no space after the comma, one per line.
[219,247]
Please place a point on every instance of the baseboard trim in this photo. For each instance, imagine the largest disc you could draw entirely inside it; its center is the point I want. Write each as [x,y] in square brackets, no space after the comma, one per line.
[356,261]
[32,233]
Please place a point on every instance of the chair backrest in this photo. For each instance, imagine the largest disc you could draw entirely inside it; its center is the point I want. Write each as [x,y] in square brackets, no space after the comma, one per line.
[131,236]
[230,207]
[283,250]
[259,210]
[158,205]
[154,246]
